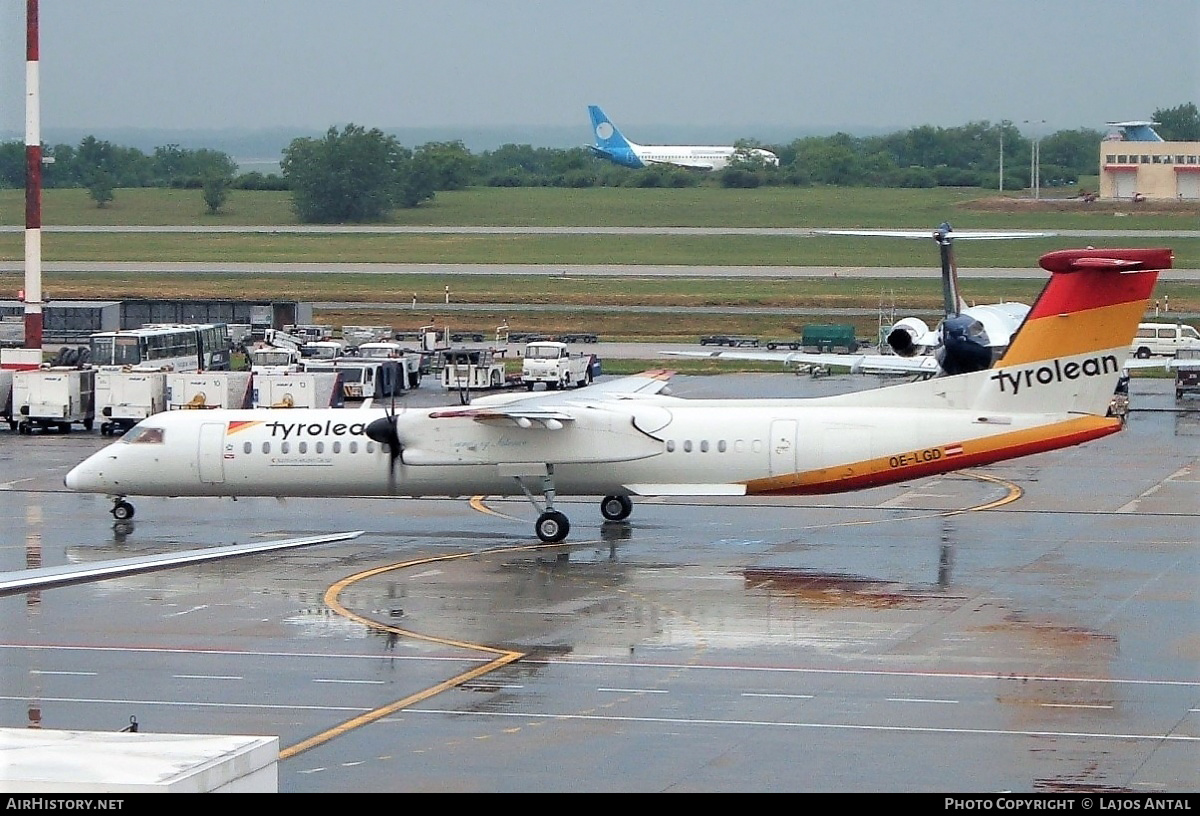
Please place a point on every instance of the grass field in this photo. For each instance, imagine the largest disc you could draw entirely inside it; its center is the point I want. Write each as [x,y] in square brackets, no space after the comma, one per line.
[966,208]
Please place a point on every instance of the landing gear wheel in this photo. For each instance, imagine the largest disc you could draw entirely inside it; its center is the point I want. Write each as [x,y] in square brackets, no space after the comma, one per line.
[552,526]
[616,508]
[122,510]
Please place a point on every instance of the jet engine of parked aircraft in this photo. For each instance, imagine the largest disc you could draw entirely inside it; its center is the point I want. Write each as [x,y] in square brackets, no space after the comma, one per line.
[969,338]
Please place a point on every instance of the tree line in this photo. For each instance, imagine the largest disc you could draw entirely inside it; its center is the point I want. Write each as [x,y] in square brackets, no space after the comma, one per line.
[356,174]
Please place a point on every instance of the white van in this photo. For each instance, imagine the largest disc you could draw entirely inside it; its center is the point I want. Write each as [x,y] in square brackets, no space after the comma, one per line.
[1163,339]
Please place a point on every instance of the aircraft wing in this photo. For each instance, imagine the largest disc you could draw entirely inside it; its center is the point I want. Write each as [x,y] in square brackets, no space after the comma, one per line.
[978,235]
[544,408]
[647,382]
[856,363]
[1167,364]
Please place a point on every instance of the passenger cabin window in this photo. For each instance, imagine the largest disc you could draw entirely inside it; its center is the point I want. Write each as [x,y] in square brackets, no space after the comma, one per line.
[247,447]
[303,446]
[284,447]
[144,436]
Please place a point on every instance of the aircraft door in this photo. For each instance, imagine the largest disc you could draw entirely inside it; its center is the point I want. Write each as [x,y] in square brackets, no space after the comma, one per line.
[211,452]
[783,446]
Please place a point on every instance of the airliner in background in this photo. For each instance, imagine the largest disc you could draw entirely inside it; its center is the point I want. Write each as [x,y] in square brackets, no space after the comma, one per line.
[611,145]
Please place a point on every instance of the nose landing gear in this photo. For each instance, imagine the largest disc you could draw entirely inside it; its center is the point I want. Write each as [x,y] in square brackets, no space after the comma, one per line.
[121,509]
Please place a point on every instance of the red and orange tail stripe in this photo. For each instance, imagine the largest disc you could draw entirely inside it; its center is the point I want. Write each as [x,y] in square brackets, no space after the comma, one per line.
[1103,292]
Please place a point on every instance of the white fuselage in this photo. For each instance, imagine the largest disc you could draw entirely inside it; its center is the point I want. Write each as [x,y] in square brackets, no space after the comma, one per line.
[654,446]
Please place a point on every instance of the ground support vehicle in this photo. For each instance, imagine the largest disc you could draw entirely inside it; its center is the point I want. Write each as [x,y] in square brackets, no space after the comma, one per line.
[472,369]
[363,379]
[1163,340]
[127,395]
[553,364]
[414,362]
[274,360]
[208,389]
[357,335]
[6,407]
[295,389]
[1187,379]
[54,397]
[734,340]
[830,337]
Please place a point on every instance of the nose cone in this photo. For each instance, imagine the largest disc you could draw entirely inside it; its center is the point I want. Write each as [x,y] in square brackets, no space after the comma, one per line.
[85,477]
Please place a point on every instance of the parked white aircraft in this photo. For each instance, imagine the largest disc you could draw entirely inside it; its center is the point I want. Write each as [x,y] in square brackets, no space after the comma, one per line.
[611,145]
[968,338]
[624,438]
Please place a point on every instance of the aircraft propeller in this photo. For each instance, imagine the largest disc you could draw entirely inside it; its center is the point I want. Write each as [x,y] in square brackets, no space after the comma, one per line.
[384,431]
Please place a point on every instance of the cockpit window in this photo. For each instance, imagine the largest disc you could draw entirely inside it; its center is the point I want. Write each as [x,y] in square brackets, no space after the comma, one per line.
[139,435]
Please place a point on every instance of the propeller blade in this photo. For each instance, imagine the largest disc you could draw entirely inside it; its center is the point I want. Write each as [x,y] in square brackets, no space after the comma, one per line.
[383,431]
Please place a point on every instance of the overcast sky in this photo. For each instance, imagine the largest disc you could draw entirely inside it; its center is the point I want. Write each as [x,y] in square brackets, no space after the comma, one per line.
[654,65]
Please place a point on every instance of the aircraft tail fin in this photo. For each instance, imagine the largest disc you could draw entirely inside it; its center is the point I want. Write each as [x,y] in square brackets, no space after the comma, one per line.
[608,138]
[1070,350]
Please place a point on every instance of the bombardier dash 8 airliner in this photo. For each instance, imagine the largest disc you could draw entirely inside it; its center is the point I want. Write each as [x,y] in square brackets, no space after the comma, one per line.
[611,145]
[623,438]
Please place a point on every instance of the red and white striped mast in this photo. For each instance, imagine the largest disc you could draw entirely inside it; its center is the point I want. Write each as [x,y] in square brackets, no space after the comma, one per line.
[33,184]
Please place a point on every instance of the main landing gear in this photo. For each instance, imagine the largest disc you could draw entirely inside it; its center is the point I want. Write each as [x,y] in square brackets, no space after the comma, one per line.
[616,508]
[121,509]
[552,526]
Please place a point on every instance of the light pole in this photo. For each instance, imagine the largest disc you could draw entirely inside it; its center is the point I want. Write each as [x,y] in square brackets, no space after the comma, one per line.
[1002,158]
[1035,158]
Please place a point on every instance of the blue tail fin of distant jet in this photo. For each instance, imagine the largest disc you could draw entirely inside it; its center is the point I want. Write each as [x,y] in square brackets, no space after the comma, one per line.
[610,144]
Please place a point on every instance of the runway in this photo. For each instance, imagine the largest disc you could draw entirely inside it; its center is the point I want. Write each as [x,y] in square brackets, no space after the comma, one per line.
[550,270]
[1031,627]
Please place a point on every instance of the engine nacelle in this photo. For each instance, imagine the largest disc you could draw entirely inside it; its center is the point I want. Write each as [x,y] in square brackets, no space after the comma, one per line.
[910,337]
[965,346]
